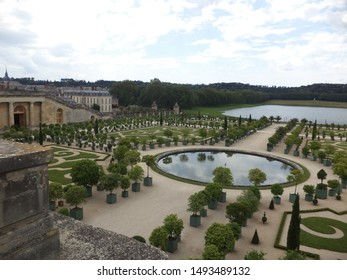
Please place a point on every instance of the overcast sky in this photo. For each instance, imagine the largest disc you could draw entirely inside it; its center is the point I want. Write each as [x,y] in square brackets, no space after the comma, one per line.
[263,42]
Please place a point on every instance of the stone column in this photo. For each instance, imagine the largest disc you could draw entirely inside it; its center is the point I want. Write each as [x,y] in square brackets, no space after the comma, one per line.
[31,121]
[10,114]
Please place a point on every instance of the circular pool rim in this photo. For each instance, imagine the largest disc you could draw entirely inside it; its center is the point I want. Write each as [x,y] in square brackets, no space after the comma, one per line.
[159,156]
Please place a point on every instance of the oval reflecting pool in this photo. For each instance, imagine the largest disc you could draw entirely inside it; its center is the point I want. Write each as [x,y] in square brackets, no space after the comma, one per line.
[199,165]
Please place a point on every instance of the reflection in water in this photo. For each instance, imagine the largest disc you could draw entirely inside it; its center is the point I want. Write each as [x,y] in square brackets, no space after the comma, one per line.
[193,165]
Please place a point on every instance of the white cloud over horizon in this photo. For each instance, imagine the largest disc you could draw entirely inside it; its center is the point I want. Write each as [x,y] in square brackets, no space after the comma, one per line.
[267,42]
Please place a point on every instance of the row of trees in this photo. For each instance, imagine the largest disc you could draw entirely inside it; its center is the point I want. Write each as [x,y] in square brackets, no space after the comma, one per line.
[167,94]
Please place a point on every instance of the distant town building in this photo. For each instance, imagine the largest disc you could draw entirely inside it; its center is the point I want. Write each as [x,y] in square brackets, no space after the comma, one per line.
[90,97]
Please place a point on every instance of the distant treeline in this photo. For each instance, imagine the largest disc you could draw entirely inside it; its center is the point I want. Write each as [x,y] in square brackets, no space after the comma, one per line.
[188,95]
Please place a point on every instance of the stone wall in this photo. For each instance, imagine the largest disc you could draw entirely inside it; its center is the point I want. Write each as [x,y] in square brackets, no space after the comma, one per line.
[26,230]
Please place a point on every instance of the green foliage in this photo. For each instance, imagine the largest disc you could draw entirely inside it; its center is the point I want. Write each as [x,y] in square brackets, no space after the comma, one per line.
[158,237]
[256,176]
[149,160]
[221,236]
[293,236]
[333,184]
[124,182]
[211,253]
[222,176]
[277,189]
[255,238]
[256,191]
[293,255]
[309,189]
[75,195]
[236,229]
[173,225]
[136,173]
[55,191]
[254,255]
[64,211]
[214,190]
[120,151]
[139,238]
[132,157]
[85,172]
[196,202]
[110,182]
[236,212]
[249,200]
[322,175]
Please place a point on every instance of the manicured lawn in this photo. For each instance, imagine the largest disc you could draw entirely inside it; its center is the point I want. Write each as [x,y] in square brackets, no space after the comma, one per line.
[324,225]
[58,176]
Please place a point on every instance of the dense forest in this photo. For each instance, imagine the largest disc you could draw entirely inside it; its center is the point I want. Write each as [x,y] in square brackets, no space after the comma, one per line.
[187,95]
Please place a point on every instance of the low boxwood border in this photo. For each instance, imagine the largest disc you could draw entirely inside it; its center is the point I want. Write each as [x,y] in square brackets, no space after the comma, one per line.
[283,220]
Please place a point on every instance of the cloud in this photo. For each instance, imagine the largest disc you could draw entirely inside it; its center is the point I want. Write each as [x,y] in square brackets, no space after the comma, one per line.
[185,40]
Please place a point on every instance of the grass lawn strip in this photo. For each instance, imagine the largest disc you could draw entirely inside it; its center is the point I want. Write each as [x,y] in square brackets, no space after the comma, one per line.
[324,225]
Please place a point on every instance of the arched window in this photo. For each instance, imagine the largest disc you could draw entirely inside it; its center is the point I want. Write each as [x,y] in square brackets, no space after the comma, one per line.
[59,116]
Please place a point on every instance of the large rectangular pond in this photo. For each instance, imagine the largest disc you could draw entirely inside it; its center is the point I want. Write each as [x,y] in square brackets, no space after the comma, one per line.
[321,114]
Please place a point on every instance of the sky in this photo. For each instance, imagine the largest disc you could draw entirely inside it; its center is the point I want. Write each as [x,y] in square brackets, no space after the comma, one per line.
[260,42]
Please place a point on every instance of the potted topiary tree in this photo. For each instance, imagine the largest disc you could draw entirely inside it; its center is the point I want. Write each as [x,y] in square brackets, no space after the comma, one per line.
[55,192]
[174,227]
[87,173]
[294,176]
[333,186]
[206,200]
[125,185]
[158,237]
[215,191]
[321,188]
[277,190]
[75,196]
[136,173]
[111,183]
[195,204]
[223,177]
[237,212]
[221,236]
[309,190]
[149,160]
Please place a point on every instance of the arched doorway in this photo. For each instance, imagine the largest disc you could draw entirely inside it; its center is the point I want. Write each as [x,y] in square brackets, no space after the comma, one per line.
[59,116]
[19,115]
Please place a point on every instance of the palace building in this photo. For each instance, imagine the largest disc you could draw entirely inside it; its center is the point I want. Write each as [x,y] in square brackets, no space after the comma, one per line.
[28,106]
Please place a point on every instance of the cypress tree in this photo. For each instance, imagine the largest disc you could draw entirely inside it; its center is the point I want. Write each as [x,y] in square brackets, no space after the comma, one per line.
[293,236]
[96,127]
[225,124]
[40,135]
[240,120]
[314,130]
[271,205]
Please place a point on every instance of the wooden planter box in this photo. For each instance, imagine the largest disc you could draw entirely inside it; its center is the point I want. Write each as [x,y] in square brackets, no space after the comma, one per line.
[147,181]
[292,197]
[88,192]
[195,220]
[125,193]
[223,197]
[322,193]
[171,245]
[277,199]
[203,212]
[111,198]
[136,187]
[76,213]
[332,192]
[309,197]
[212,204]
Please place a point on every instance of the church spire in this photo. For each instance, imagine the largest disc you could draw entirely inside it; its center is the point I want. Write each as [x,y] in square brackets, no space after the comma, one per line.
[6,77]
